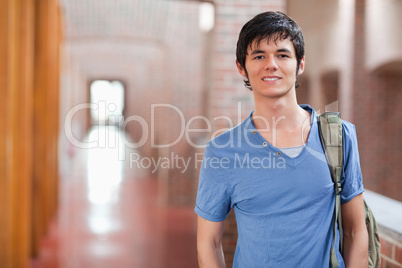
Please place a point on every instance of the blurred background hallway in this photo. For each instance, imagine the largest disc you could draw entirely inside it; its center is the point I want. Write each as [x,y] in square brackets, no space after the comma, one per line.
[107,106]
[109,214]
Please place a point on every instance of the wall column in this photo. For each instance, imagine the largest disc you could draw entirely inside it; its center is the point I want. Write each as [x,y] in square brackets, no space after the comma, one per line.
[45,118]
[16,70]
[360,95]
[29,109]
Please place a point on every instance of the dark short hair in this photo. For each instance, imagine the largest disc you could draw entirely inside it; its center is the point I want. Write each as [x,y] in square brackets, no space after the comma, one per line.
[273,26]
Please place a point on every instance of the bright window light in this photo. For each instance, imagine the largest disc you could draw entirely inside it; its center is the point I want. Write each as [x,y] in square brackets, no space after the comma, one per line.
[206,17]
[104,169]
[109,98]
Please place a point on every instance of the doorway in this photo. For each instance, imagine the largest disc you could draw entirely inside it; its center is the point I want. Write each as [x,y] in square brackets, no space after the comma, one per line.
[107,103]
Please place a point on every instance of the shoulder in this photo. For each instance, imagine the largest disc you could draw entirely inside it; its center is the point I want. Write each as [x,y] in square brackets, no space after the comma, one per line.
[352,180]
[351,148]
[349,133]
[230,139]
[348,128]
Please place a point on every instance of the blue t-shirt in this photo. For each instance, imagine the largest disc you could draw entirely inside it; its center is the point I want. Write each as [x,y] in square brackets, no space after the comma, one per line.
[284,206]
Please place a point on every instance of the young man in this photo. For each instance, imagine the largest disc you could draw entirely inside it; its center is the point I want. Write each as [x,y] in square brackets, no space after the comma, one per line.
[270,168]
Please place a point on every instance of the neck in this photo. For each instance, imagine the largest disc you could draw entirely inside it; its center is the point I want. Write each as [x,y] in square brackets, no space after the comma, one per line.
[278,113]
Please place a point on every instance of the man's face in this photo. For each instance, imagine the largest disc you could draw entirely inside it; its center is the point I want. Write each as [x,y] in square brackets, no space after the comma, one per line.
[271,68]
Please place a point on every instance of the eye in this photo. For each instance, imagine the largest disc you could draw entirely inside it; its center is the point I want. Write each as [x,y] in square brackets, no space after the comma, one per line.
[258,57]
[283,56]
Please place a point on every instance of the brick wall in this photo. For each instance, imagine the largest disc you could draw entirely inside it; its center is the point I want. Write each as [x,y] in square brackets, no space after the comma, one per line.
[379,132]
[330,87]
[303,91]
[377,96]
[391,251]
[376,110]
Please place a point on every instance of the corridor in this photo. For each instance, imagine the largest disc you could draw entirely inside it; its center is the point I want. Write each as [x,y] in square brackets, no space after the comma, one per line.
[109,214]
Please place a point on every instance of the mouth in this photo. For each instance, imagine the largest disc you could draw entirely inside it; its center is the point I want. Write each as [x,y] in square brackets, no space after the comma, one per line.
[271,79]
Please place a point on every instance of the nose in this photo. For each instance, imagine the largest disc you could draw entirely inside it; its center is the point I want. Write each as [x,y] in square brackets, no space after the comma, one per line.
[271,64]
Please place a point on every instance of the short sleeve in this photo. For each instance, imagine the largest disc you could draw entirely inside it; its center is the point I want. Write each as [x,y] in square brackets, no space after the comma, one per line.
[352,181]
[213,196]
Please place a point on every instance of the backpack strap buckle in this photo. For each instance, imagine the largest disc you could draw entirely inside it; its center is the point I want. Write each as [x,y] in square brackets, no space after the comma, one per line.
[338,188]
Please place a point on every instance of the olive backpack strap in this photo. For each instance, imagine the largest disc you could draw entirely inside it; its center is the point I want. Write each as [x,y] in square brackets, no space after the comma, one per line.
[330,129]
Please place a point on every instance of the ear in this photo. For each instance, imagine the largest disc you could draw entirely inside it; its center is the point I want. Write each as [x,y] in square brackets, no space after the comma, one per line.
[240,68]
[301,66]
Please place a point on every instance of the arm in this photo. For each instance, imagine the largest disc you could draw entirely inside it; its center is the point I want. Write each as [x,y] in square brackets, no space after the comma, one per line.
[355,236]
[209,243]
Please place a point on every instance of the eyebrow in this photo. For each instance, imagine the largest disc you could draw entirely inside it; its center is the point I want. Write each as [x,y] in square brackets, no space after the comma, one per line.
[280,50]
[285,50]
[257,51]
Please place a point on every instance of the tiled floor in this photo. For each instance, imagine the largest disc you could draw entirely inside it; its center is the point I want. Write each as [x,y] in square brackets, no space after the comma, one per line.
[110,217]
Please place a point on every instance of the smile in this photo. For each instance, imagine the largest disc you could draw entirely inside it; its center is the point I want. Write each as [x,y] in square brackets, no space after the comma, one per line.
[271,79]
